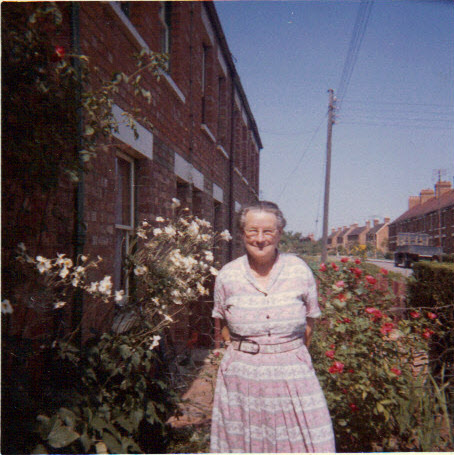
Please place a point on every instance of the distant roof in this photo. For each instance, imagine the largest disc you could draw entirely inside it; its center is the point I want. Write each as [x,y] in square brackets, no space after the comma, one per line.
[375,229]
[445,200]
[357,230]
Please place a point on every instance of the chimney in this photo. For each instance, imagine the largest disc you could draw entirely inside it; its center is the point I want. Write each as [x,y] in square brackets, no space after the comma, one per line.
[413,201]
[387,219]
[426,195]
[376,221]
[368,224]
[333,230]
[442,188]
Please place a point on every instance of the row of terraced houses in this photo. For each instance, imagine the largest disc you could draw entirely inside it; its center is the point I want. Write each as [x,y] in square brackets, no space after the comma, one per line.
[432,213]
[204,146]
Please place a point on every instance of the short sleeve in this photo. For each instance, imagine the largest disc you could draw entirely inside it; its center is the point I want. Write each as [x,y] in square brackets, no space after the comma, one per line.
[219,299]
[311,295]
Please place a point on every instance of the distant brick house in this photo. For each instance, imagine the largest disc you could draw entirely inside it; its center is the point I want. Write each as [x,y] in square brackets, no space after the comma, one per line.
[203,148]
[432,213]
[375,236]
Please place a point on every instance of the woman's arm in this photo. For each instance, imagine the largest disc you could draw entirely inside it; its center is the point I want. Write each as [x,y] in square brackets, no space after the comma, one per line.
[225,332]
[310,323]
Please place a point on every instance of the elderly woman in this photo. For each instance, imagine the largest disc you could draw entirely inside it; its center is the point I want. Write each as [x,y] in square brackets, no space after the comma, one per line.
[267,397]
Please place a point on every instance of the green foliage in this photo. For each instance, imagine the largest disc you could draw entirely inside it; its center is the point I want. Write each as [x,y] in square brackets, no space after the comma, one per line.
[296,243]
[112,395]
[364,355]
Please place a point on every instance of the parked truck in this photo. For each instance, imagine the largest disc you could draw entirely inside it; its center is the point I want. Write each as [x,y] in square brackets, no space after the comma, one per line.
[414,246]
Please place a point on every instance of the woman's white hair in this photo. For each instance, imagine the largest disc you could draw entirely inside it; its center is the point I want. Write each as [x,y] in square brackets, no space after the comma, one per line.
[262,206]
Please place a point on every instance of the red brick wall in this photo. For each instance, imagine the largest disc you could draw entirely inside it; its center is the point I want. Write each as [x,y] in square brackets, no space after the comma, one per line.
[177,129]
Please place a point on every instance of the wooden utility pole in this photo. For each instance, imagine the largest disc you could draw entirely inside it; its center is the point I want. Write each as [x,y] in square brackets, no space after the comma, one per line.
[327,175]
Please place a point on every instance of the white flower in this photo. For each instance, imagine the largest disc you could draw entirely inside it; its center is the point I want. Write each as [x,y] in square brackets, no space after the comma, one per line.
[205,237]
[141,233]
[93,287]
[59,305]
[184,222]
[155,342]
[80,270]
[119,295]
[61,259]
[105,286]
[202,290]
[75,281]
[209,256]
[7,308]
[157,231]
[67,262]
[21,246]
[83,258]
[169,230]
[225,235]
[175,203]
[168,318]
[193,229]
[145,223]
[140,270]
[160,219]
[213,271]
[43,264]
[63,272]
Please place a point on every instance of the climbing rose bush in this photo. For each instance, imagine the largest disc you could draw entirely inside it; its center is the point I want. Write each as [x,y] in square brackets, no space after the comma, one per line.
[364,349]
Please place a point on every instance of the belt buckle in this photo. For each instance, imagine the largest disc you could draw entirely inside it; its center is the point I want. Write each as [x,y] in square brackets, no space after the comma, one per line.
[254,343]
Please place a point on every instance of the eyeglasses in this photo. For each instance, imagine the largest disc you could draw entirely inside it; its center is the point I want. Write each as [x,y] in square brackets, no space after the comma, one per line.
[267,233]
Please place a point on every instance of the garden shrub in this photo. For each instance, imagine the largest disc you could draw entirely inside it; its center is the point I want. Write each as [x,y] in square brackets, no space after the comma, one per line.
[364,357]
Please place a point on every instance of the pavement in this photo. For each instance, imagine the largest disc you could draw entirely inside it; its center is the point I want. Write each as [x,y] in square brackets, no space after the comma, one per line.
[197,401]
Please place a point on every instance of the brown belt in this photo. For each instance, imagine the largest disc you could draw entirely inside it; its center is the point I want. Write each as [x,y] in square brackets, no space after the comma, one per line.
[252,347]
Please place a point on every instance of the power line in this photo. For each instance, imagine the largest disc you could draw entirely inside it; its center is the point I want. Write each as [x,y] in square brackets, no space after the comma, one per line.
[305,150]
[356,40]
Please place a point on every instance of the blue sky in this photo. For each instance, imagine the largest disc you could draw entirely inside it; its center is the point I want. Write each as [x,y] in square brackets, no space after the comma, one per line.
[395,125]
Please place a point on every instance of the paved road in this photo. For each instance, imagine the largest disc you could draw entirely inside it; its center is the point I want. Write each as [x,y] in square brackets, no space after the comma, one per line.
[389,265]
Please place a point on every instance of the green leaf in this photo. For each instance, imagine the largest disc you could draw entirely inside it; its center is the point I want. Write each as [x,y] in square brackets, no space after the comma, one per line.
[112,443]
[125,351]
[68,417]
[62,436]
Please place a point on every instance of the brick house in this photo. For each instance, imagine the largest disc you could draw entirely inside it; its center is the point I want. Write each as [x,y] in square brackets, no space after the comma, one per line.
[203,148]
[375,235]
[432,213]
[378,235]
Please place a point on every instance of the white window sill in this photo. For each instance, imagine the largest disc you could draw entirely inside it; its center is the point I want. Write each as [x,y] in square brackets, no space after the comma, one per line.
[207,131]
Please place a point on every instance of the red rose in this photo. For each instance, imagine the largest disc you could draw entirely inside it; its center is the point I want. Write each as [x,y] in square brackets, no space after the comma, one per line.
[347,320]
[350,371]
[336,367]
[330,354]
[415,314]
[332,346]
[344,260]
[322,267]
[353,407]
[431,315]
[371,310]
[370,279]
[60,51]
[396,371]
[427,333]
[384,272]
[342,297]
[334,266]
[358,261]
[340,284]
[386,328]
[357,272]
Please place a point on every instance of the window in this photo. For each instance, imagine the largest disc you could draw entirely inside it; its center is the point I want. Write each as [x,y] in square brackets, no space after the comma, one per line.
[126,8]
[205,64]
[166,19]
[221,109]
[124,216]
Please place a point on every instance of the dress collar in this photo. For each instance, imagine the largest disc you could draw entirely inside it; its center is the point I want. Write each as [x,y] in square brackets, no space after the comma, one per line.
[274,273]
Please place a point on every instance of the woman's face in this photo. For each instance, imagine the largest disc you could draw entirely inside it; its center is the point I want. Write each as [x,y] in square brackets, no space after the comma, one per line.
[261,235]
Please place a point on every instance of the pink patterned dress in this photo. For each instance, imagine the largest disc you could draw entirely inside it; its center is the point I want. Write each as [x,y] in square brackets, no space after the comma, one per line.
[268,402]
